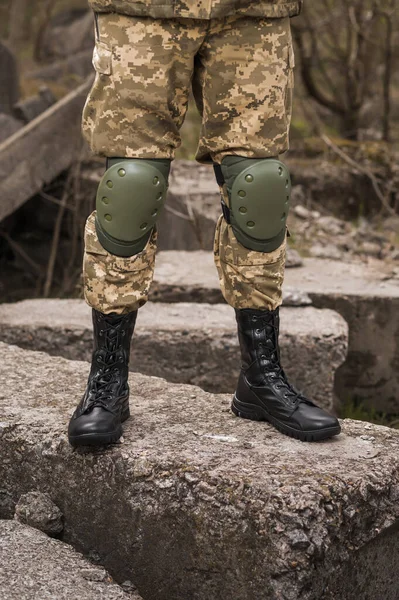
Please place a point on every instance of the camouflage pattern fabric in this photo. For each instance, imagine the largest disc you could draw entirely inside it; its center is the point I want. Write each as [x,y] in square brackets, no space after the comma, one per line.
[113,283]
[241,73]
[240,70]
[199,9]
[248,279]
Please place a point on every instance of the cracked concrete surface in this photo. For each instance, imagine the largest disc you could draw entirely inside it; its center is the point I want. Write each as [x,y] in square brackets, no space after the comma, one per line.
[196,503]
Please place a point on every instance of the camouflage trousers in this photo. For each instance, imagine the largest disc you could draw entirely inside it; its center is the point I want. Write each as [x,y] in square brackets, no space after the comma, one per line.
[240,70]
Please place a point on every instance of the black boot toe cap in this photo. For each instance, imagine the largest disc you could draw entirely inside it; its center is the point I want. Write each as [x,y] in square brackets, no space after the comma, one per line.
[314,418]
[96,427]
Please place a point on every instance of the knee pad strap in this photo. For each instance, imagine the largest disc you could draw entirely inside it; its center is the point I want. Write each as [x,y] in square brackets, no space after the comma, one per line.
[259,194]
[129,199]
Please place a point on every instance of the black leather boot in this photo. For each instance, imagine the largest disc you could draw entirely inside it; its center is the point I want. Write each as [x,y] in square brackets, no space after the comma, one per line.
[105,404]
[264,393]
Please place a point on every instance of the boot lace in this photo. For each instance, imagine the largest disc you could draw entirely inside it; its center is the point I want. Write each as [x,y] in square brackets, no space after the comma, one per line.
[276,370]
[108,358]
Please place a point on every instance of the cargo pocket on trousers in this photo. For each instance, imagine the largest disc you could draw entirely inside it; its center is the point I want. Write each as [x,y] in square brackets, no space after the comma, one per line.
[118,265]
[233,253]
[142,261]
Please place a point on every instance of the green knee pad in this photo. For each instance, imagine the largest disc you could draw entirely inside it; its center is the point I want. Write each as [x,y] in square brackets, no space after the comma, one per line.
[129,200]
[259,192]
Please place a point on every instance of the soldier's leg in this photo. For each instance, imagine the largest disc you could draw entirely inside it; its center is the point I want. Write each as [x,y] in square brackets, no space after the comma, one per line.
[134,111]
[244,85]
[132,116]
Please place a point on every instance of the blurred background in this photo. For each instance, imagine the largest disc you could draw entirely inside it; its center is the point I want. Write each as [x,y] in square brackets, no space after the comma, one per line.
[343,156]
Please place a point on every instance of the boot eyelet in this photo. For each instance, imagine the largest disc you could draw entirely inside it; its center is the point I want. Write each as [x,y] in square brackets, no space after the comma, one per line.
[257,331]
[263,357]
[101,332]
[254,319]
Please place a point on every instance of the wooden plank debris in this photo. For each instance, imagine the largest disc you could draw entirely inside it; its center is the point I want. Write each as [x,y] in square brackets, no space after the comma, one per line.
[40,151]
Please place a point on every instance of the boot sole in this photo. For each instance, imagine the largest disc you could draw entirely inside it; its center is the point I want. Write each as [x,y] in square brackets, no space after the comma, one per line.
[97,439]
[257,413]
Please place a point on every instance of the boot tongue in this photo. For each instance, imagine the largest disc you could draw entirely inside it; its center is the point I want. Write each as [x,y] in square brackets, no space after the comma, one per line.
[111,340]
[112,332]
[269,344]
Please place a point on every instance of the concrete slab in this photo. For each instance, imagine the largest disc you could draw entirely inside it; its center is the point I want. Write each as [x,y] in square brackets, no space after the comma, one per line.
[36,567]
[196,503]
[186,342]
[354,279]
[189,276]
[365,295]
